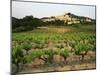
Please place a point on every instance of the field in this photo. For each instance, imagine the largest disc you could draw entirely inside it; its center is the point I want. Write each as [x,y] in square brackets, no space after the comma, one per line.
[53,48]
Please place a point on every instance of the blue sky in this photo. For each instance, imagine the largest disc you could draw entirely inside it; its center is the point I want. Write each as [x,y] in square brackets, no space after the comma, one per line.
[22,9]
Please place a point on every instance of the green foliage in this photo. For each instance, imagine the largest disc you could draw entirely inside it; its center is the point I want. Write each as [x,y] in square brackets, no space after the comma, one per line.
[22,28]
[17,54]
[59,46]
[25,24]
[64,53]
[56,23]
[17,57]
[27,46]
[44,45]
[27,59]
[77,25]
[82,49]
[46,55]
[37,54]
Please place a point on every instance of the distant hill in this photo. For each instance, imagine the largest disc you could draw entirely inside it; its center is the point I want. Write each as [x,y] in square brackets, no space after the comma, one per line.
[68,18]
[29,22]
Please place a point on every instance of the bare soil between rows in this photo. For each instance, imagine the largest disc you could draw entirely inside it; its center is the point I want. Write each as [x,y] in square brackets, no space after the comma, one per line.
[73,64]
[40,69]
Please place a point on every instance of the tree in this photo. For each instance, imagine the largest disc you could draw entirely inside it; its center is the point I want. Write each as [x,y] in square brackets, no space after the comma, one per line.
[15,22]
[25,24]
[28,18]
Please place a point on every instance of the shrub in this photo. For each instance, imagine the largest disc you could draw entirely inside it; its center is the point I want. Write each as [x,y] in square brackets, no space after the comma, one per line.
[17,56]
[64,53]
[82,49]
[26,46]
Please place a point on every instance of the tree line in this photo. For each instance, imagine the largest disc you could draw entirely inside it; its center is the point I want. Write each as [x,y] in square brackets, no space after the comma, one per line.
[29,23]
[25,24]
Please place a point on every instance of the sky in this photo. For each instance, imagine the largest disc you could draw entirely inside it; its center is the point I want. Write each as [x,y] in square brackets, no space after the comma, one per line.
[39,10]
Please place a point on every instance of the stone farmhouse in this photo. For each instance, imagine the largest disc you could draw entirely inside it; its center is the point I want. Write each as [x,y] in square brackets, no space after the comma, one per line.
[68,18]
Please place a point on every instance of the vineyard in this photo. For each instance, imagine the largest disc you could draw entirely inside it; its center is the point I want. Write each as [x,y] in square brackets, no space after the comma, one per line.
[53,49]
